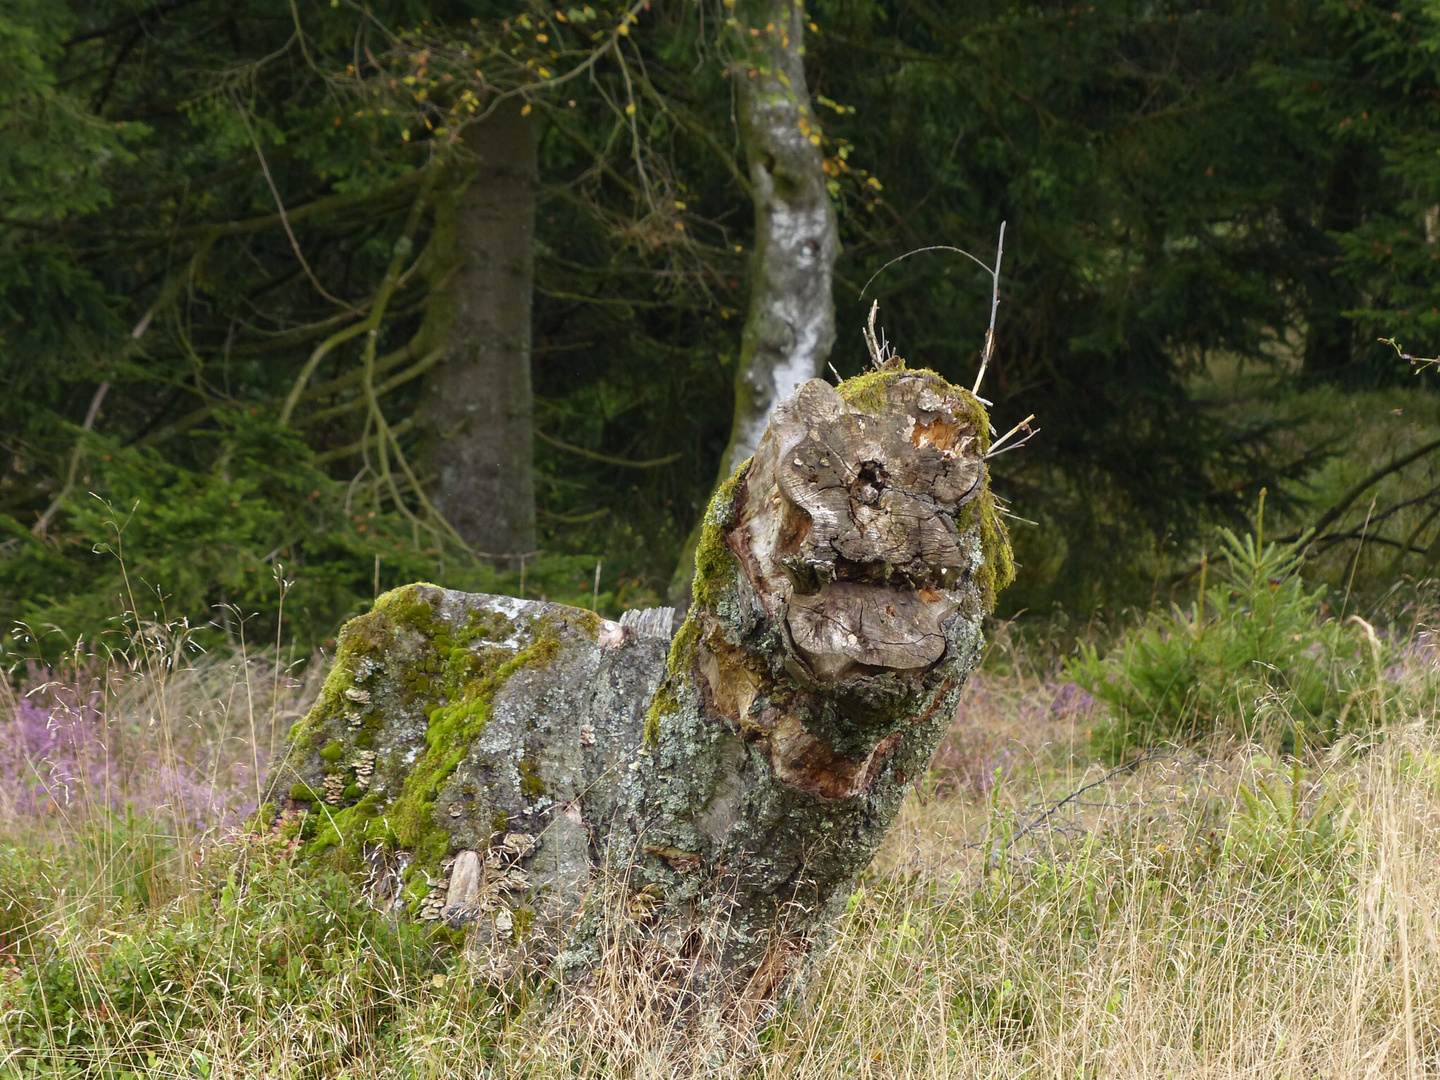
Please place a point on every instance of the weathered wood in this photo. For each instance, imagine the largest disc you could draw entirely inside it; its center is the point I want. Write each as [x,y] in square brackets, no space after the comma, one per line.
[559,781]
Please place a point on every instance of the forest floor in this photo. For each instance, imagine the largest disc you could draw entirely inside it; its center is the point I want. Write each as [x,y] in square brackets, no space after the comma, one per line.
[1034,912]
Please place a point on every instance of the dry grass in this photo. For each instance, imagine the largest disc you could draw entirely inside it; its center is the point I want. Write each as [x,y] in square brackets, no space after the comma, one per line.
[1215,916]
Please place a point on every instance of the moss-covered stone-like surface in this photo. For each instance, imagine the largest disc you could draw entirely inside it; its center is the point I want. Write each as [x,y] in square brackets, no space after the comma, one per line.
[475,709]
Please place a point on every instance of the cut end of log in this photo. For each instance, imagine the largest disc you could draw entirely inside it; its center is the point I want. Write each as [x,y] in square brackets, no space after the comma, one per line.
[863,521]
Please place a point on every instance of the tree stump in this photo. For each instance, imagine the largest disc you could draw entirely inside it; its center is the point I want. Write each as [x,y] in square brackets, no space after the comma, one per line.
[561,782]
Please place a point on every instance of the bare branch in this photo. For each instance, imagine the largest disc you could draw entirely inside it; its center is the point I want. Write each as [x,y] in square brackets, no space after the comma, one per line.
[91,413]
[1395,465]
[279,203]
[998,446]
[921,251]
[994,307]
[881,354]
[606,459]
[371,323]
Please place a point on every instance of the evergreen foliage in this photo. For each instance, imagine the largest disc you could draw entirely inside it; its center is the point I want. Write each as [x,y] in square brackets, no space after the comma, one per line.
[1179,181]
[1256,656]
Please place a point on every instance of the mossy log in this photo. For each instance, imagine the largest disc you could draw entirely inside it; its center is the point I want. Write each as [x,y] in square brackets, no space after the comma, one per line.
[555,780]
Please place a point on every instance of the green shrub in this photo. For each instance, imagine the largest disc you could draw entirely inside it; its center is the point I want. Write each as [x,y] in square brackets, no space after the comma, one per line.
[259,533]
[1290,822]
[1254,656]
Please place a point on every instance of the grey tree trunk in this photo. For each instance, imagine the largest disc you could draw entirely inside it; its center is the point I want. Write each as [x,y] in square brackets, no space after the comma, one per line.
[477,412]
[790,326]
[571,787]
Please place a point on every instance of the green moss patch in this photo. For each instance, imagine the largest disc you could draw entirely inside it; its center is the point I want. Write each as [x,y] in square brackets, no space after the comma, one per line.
[997,565]
[662,705]
[715,565]
[868,391]
[677,667]
[998,568]
[456,674]
[531,786]
[453,728]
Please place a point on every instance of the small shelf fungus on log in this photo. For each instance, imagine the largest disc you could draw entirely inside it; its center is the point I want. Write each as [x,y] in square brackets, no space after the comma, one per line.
[553,779]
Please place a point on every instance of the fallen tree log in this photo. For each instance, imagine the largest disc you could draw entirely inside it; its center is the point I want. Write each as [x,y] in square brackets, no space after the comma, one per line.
[558,781]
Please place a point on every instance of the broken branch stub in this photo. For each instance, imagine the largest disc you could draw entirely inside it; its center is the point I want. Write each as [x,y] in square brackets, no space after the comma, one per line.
[561,782]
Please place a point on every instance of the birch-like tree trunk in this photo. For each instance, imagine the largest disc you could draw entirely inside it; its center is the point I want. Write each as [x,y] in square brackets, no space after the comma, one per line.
[576,789]
[477,411]
[790,326]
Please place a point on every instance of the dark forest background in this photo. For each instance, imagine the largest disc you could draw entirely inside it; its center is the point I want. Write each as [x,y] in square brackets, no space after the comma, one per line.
[1215,211]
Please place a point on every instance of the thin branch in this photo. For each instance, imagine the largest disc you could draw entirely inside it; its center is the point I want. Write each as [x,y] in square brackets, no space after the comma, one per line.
[91,413]
[699,131]
[1364,536]
[361,445]
[921,251]
[279,203]
[402,248]
[606,459]
[998,446]
[1363,486]
[572,519]
[994,307]
[993,271]
[1049,813]
[881,354]
[218,230]
[297,391]
[125,23]
[1408,542]
[414,371]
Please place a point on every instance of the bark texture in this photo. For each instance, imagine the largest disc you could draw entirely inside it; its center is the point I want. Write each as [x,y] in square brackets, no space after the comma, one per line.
[790,326]
[478,409]
[561,782]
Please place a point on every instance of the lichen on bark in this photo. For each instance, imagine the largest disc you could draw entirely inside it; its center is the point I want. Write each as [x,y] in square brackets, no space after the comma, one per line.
[553,779]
